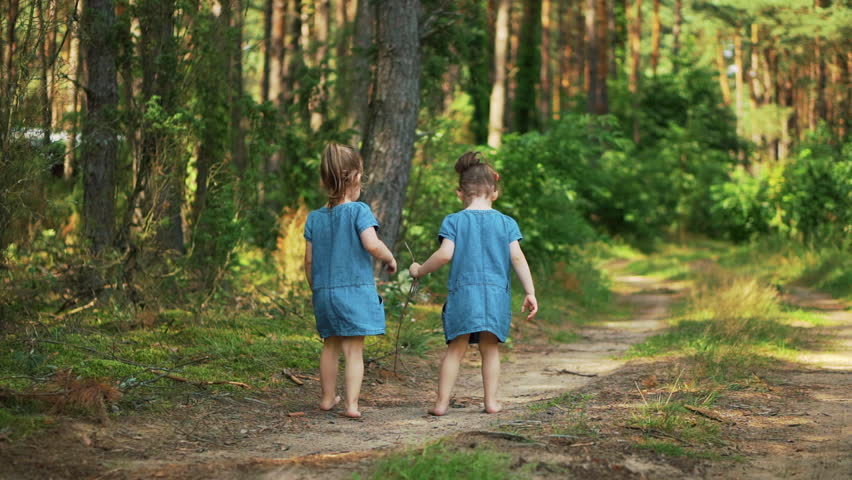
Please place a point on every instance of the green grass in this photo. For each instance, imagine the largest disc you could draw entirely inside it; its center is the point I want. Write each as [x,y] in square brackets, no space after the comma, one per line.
[565,401]
[674,450]
[672,419]
[19,423]
[440,461]
[783,262]
[730,325]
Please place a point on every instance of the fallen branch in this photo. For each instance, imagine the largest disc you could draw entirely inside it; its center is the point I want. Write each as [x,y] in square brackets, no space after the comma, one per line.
[201,382]
[77,310]
[292,377]
[565,371]
[707,413]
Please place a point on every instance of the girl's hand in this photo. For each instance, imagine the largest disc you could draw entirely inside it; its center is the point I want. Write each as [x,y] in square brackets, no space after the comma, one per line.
[414,270]
[390,267]
[531,305]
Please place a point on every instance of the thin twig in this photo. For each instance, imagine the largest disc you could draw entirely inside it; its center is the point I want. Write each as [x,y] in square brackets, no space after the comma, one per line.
[640,393]
[674,386]
[402,312]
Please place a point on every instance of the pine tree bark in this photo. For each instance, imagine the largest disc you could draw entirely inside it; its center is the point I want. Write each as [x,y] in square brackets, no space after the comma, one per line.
[238,141]
[635,46]
[100,143]
[389,142]
[73,95]
[320,95]
[722,67]
[362,68]
[739,81]
[267,50]
[546,92]
[496,114]
[524,104]
[655,39]
[276,51]
[596,57]
[678,21]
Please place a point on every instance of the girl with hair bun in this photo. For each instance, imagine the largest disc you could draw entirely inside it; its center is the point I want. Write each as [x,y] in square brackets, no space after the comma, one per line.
[482,244]
[341,243]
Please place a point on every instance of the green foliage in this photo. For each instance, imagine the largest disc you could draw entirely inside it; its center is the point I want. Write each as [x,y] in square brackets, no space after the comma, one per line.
[808,197]
[440,461]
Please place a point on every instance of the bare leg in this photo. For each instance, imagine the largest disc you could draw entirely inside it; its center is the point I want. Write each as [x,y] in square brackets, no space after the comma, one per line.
[328,372]
[353,354]
[449,372]
[490,350]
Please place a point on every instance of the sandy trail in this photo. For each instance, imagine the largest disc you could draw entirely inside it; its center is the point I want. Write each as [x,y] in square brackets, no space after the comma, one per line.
[396,416]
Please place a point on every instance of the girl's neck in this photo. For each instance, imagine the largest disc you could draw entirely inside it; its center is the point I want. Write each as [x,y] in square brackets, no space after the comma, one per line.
[479,203]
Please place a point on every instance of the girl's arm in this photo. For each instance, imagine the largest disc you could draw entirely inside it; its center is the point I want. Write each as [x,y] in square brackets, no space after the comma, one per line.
[438,259]
[378,249]
[522,269]
[309,256]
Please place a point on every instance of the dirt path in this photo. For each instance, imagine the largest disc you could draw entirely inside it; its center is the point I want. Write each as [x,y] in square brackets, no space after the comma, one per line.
[394,410]
[795,423]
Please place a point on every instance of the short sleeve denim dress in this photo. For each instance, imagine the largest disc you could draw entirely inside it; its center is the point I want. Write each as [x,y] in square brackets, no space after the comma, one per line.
[345,299]
[479,289]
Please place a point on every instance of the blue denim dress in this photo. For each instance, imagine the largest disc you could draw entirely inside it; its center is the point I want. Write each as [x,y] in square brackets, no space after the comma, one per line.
[345,299]
[479,289]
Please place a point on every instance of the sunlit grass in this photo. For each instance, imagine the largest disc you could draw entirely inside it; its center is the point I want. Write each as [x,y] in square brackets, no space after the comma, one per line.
[730,325]
[443,461]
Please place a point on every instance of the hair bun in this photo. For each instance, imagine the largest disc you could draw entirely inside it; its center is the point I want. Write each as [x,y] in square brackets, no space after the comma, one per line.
[468,160]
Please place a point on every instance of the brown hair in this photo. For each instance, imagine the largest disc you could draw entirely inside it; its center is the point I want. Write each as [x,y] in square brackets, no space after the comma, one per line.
[476,177]
[339,168]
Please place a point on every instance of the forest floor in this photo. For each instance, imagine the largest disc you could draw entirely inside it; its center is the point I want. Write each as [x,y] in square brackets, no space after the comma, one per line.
[571,410]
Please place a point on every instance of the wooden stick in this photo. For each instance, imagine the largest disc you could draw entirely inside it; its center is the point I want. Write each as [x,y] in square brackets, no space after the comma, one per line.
[402,312]
[201,382]
[78,309]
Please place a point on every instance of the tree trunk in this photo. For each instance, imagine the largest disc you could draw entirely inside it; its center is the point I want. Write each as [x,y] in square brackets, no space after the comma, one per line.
[238,129]
[320,97]
[389,143]
[546,92]
[267,50]
[635,27]
[362,65]
[757,90]
[72,100]
[596,57]
[276,51]
[678,21]
[821,108]
[498,90]
[722,66]
[160,168]
[512,62]
[100,144]
[528,65]
[739,82]
[655,38]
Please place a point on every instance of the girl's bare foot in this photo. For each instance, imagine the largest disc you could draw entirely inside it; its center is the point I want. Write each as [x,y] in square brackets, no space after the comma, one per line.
[352,414]
[326,405]
[493,408]
[438,411]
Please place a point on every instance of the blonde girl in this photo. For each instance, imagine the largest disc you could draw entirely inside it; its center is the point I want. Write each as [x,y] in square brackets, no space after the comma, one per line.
[341,245]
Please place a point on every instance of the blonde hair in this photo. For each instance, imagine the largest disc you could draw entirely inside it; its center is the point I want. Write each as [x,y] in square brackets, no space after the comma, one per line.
[339,169]
[476,177]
